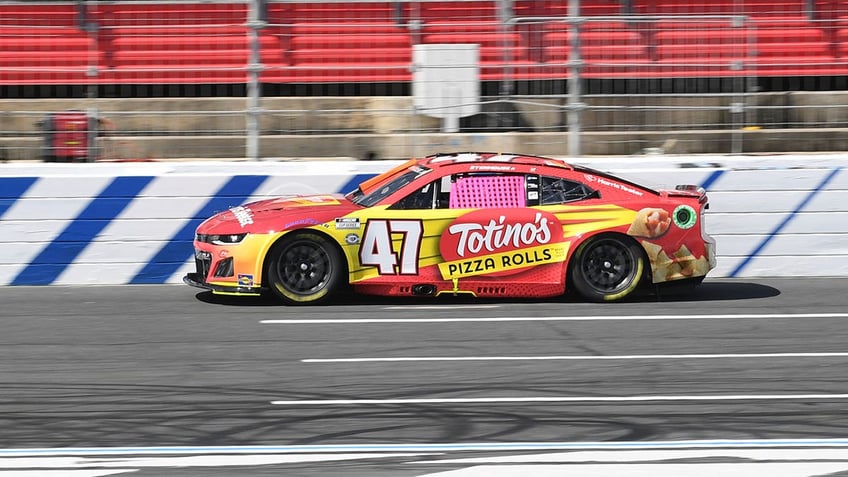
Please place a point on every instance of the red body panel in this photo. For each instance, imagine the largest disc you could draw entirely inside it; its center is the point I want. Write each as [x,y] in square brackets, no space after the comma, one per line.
[410,231]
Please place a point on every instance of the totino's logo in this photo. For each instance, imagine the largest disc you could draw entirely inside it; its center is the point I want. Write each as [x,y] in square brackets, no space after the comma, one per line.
[478,243]
[499,234]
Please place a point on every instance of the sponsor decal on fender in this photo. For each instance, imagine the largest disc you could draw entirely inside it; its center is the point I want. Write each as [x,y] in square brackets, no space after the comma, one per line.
[351,239]
[304,221]
[479,244]
[243,214]
[347,223]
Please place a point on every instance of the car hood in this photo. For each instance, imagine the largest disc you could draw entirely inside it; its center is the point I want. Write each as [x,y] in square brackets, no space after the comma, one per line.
[275,215]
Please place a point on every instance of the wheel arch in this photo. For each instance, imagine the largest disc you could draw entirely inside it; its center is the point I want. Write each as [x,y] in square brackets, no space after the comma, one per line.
[571,261]
[287,235]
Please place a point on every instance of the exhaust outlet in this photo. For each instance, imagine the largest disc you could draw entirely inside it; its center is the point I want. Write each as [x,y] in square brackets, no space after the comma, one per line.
[424,290]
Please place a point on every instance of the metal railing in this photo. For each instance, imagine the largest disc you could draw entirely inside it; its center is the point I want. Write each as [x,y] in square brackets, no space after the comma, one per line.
[563,84]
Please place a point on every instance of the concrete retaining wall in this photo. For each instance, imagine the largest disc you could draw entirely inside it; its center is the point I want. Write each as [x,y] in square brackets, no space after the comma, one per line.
[391,128]
[133,223]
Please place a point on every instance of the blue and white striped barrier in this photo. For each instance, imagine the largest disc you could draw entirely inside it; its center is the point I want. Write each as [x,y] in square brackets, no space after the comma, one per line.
[133,223]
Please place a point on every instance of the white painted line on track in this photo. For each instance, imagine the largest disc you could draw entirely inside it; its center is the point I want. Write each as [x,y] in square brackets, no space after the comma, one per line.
[773,316]
[750,458]
[748,462]
[63,473]
[665,469]
[93,466]
[425,447]
[576,358]
[441,307]
[649,455]
[557,399]
[128,462]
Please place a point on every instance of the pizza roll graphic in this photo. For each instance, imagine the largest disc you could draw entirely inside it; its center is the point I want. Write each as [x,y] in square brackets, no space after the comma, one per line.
[650,222]
[682,264]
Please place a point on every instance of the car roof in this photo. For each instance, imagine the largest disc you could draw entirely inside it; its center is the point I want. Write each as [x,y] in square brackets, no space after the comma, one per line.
[493,160]
[438,160]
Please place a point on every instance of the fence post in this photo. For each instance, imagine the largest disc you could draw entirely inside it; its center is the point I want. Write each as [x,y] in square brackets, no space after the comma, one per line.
[256,21]
[575,64]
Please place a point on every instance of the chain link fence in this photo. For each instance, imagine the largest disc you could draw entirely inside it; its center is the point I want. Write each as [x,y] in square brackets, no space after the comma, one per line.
[264,79]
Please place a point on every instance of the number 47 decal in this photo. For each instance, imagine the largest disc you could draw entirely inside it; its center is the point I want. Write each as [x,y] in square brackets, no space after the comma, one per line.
[376,246]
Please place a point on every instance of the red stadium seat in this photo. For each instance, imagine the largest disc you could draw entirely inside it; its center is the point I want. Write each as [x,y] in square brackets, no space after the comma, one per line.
[372,41]
[172,42]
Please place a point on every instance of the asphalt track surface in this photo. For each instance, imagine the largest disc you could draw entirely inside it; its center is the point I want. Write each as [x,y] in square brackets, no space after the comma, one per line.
[110,380]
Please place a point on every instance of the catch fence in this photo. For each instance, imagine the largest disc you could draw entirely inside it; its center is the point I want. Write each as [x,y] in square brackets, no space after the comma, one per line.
[275,78]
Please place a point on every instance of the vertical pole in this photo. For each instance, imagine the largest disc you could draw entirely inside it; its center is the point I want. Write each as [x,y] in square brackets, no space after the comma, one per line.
[575,106]
[810,9]
[92,113]
[91,28]
[505,14]
[739,107]
[256,22]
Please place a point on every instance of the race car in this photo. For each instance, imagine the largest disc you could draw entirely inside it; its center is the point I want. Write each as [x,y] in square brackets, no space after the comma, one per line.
[477,224]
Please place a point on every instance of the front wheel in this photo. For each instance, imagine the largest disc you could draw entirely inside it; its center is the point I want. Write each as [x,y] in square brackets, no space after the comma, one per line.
[607,268]
[305,268]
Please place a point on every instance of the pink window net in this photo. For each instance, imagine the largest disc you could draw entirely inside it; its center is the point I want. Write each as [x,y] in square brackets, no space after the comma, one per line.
[488,191]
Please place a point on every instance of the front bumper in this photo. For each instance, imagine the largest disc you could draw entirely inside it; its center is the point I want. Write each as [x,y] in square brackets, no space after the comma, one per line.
[196,280]
[215,272]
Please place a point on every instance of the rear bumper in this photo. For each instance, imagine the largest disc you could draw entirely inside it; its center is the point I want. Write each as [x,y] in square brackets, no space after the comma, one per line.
[195,280]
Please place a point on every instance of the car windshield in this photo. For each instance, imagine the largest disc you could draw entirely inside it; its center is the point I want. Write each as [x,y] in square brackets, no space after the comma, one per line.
[382,190]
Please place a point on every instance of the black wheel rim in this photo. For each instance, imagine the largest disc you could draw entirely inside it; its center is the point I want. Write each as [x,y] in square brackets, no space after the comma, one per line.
[608,266]
[304,268]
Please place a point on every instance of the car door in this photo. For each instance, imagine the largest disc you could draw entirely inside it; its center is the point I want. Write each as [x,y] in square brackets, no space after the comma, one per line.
[498,236]
[399,242]
[463,228]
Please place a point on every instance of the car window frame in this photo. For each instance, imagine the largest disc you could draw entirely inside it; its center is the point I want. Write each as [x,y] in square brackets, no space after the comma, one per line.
[589,192]
[389,187]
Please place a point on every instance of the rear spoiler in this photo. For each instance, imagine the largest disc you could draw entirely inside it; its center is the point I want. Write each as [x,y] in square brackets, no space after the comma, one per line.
[690,190]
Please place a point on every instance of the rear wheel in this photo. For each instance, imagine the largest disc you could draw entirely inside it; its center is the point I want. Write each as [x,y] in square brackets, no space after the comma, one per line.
[607,268]
[305,268]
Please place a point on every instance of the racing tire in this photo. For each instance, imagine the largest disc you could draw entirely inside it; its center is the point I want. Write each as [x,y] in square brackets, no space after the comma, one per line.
[305,268]
[607,268]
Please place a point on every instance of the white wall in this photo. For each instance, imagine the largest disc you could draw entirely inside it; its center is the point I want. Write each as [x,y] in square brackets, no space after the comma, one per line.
[119,223]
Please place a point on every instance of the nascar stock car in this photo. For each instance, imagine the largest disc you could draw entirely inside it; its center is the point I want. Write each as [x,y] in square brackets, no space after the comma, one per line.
[480,224]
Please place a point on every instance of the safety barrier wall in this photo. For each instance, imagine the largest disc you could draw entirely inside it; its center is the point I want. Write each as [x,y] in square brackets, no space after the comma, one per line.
[133,223]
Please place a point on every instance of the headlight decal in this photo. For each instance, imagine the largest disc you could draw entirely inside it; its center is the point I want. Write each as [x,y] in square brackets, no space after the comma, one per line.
[221,239]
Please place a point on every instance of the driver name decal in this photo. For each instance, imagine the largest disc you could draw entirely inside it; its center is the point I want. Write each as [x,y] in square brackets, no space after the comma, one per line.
[478,243]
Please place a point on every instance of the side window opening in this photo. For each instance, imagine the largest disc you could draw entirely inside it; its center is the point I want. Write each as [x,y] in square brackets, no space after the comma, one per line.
[434,195]
[424,198]
[556,190]
[494,191]
[443,196]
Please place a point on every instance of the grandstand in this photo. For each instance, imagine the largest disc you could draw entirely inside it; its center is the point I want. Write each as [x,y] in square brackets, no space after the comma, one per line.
[150,48]
[345,42]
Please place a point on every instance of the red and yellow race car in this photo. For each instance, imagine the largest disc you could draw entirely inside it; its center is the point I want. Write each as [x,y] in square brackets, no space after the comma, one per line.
[480,224]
